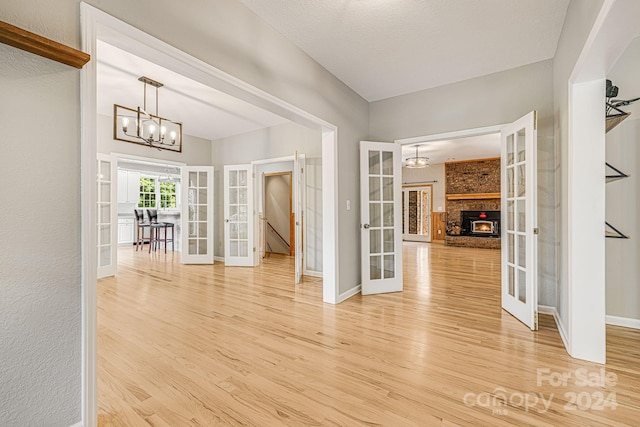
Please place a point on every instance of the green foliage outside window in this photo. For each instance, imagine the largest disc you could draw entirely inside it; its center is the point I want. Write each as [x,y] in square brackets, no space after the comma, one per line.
[147,193]
[168,195]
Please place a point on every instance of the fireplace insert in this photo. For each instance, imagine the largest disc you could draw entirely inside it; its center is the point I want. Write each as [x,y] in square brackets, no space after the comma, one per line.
[480,223]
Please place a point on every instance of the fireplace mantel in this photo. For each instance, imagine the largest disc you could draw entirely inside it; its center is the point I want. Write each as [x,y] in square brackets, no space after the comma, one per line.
[473,196]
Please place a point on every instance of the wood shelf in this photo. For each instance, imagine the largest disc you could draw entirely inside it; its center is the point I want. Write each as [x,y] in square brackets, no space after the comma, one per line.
[473,196]
[38,45]
[614,120]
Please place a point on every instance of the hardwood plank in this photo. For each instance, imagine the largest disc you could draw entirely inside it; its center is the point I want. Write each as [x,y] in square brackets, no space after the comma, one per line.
[211,345]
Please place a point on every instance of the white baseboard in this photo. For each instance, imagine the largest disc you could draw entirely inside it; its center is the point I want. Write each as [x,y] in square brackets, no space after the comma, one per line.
[627,322]
[79,424]
[348,294]
[313,273]
[219,259]
[545,309]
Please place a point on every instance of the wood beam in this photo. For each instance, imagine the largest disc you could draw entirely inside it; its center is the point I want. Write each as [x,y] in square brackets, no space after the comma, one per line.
[38,45]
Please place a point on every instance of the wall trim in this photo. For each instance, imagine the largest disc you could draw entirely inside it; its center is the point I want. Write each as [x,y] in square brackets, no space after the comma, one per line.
[348,294]
[313,273]
[464,133]
[78,424]
[626,322]
[219,259]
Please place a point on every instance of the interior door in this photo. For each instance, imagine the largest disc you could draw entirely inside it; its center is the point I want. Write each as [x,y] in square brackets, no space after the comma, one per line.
[197,215]
[381,217]
[299,186]
[107,217]
[416,213]
[238,215]
[519,219]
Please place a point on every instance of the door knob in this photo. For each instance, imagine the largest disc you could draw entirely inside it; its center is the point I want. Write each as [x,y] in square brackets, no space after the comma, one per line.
[365,226]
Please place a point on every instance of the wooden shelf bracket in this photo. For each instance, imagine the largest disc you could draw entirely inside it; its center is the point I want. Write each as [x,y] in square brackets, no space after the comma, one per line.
[38,45]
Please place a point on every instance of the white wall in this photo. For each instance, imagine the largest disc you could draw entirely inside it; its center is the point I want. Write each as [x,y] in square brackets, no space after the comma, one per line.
[623,202]
[484,101]
[195,151]
[40,246]
[434,172]
[622,207]
[578,23]
[41,327]
[270,143]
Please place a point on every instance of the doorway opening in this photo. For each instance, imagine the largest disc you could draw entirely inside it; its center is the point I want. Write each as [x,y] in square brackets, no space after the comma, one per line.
[417,205]
[99,26]
[278,231]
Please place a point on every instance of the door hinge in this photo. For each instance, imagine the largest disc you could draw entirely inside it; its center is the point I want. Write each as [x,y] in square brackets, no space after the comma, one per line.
[535,320]
[254,249]
[535,120]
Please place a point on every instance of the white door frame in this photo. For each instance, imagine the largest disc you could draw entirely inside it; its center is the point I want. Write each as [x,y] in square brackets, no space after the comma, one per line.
[94,25]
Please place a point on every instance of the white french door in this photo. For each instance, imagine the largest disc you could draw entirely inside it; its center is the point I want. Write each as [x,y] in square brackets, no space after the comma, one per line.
[238,216]
[299,186]
[416,213]
[197,215]
[381,217]
[107,215]
[519,220]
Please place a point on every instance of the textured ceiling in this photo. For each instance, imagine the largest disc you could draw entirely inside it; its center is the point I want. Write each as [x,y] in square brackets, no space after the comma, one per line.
[384,48]
[204,112]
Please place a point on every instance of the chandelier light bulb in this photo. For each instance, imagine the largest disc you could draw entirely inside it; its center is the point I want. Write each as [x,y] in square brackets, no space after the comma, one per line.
[173,137]
[152,129]
[125,123]
[163,130]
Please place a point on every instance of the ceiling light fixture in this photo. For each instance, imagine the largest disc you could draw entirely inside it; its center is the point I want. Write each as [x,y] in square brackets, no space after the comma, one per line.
[417,161]
[140,127]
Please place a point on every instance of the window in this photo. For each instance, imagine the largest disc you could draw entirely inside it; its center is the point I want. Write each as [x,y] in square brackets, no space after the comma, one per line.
[147,193]
[168,195]
[158,194]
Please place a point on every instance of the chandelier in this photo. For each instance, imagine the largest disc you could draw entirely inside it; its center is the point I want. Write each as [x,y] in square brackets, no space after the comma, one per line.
[417,161]
[140,127]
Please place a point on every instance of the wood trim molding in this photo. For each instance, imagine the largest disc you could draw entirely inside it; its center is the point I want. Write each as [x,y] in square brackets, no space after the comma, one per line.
[38,45]
[472,160]
[473,196]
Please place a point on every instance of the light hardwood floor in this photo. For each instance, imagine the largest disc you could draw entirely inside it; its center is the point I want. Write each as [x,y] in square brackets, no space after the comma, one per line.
[209,345]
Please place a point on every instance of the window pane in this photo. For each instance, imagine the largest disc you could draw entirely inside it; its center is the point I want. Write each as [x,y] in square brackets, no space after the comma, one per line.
[387,163]
[374,163]
[374,188]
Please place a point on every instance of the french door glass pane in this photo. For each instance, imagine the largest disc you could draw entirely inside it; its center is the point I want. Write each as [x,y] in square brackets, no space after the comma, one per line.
[374,214]
[374,188]
[522,177]
[387,163]
[520,137]
[512,280]
[522,286]
[522,250]
[510,149]
[375,239]
[375,267]
[389,266]
[374,163]
[522,215]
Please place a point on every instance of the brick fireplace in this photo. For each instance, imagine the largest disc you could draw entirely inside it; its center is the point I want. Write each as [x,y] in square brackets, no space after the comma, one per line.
[472,187]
